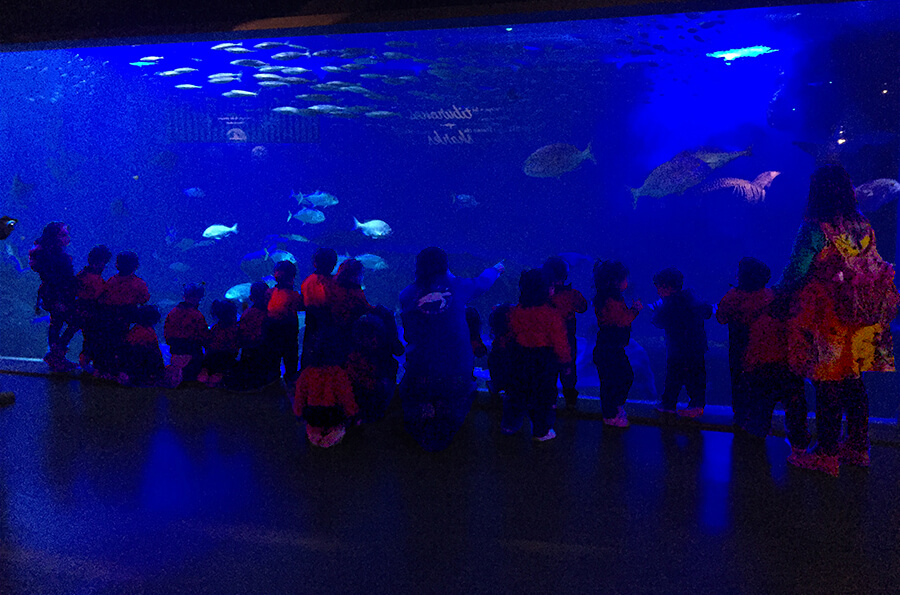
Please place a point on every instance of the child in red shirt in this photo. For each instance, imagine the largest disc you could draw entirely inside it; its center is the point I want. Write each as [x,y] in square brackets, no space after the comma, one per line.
[222,346]
[568,301]
[315,290]
[124,292]
[142,360]
[539,348]
[255,366]
[186,331]
[282,330]
[88,311]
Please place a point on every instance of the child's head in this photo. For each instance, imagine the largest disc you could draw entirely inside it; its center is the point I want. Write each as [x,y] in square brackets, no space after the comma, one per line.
[533,289]
[194,292]
[54,235]
[431,264]
[224,311]
[258,293]
[498,320]
[668,281]
[126,262]
[285,271]
[556,271]
[753,274]
[349,273]
[99,256]
[147,316]
[610,276]
[324,261]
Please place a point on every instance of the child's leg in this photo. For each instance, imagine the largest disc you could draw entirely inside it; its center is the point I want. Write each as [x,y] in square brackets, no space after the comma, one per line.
[513,411]
[568,376]
[695,381]
[608,362]
[291,354]
[828,417]
[761,390]
[795,409]
[626,379]
[675,379]
[855,401]
[542,407]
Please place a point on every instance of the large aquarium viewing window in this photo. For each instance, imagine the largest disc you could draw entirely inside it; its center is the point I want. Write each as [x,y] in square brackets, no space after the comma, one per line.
[681,139]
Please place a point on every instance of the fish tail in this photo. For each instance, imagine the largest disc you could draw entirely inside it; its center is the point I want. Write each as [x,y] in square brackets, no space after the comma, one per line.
[356,224]
[749,151]
[587,152]
[634,196]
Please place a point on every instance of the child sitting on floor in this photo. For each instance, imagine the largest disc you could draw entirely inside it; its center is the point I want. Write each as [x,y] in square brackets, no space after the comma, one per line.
[222,346]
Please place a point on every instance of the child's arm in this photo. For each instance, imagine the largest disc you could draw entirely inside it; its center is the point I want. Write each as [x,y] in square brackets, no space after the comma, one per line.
[616,313]
[725,311]
[559,339]
[580,303]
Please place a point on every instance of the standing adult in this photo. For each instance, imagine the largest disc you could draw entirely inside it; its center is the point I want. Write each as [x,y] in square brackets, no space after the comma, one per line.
[438,387]
[843,300]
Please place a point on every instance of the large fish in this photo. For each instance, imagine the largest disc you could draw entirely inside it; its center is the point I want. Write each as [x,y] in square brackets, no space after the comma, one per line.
[552,161]
[750,191]
[877,193]
[683,171]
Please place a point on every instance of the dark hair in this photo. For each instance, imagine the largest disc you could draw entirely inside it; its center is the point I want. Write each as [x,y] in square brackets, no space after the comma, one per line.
[147,315]
[99,255]
[194,291]
[126,262]
[831,195]
[50,236]
[348,273]
[498,320]
[324,261]
[533,289]
[556,270]
[368,329]
[608,275]
[224,311]
[670,278]
[431,263]
[258,291]
[753,274]
[287,269]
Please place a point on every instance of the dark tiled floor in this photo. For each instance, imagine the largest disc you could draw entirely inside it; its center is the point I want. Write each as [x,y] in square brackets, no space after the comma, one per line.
[106,490]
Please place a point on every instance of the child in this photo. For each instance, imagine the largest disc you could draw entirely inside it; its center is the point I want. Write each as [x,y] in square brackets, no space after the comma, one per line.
[371,366]
[124,292]
[314,290]
[89,287]
[324,398]
[142,360]
[346,302]
[56,294]
[186,331]
[738,308]
[256,370]
[614,320]
[569,302]
[682,316]
[473,320]
[282,329]
[539,348]
[222,346]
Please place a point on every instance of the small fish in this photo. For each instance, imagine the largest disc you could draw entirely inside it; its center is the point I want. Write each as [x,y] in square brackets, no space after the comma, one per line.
[288,55]
[151,58]
[139,64]
[353,66]
[381,114]
[373,262]
[396,56]
[399,44]
[376,228]
[225,75]
[239,93]
[296,80]
[327,53]
[249,63]
[238,50]
[750,191]
[223,46]
[318,199]
[271,69]
[326,109]
[314,97]
[280,255]
[224,80]
[464,200]
[336,69]
[286,110]
[194,193]
[217,232]
[239,292]
[266,76]
[551,161]
[273,84]
[187,86]
[179,267]
[294,70]
[748,52]
[167,73]
[307,215]
[268,45]
[184,70]
[293,237]
[205,243]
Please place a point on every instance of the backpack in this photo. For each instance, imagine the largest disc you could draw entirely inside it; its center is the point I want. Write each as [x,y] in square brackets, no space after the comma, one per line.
[860,280]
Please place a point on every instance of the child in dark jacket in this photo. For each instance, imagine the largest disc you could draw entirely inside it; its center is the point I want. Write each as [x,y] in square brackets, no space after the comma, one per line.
[141,362]
[568,301]
[539,348]
[681,315]
[222,345]
[282,329]
[256,367]
[56,294]
[346,302]
[371,366]
[498,358]
[739,307]
[614,319]
[88,311]
[186,331]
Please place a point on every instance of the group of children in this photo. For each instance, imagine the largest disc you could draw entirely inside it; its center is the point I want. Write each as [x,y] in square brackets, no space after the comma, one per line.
[534,344]
[348,369]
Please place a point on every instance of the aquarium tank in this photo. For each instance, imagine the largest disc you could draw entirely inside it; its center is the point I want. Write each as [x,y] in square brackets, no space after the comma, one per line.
[683,139]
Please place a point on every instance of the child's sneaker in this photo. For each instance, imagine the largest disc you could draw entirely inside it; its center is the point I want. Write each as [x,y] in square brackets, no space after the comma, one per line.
[203,376]
[548,436]
[662,409]
[691,412]
[616,422]
[851,456]
[816,462]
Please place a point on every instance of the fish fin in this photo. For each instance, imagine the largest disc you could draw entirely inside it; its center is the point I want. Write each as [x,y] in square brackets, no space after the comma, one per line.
[634,195]
[290,216]
[586,154]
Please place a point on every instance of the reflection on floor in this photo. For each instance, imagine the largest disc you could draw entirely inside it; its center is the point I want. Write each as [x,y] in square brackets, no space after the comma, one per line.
[107,490]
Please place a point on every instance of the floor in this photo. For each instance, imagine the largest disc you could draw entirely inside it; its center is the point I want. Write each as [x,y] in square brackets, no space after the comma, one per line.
[108,490]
